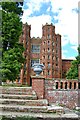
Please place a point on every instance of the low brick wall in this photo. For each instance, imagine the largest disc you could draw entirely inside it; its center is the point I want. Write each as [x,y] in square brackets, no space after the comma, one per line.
[65,97]
[63,92]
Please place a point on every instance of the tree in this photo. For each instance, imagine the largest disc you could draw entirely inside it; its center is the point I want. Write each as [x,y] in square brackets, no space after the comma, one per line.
[78,57]
[73,71]
[12,63]
[12,50]
[11,24]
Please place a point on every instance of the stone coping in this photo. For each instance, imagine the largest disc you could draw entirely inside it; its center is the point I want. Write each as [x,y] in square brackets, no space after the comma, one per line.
[58,79]
[40,77]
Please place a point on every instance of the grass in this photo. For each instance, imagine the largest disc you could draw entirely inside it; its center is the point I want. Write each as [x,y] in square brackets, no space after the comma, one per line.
[14,85]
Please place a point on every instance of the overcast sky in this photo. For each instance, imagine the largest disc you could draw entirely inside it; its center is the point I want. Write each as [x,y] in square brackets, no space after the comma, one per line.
[62,13]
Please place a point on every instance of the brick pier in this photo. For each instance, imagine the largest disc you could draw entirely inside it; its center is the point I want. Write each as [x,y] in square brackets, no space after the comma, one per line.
[38,86]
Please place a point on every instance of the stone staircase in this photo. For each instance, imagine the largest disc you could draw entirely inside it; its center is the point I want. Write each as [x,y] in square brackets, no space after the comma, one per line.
[21,99]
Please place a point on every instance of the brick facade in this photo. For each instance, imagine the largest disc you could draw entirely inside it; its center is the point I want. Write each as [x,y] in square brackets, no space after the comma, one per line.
[45,50]
[66,64]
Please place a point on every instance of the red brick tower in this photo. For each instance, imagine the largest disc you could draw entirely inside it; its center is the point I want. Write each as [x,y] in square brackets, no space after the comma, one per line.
[25,72]
[51,52]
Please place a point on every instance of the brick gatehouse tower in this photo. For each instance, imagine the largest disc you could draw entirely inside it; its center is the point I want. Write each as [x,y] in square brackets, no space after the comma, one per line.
[45,50]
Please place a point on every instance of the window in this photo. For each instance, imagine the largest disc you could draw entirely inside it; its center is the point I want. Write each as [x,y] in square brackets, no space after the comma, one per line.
[26,43]
[43,57]
[48,72]
[24,66]
[54,58]
[44,64]
[25,56]
[56,64]
[35,48]
[48,65]
[48,56]
[48,29]
[34,61]
[48,50]
[48,42]
[48,36]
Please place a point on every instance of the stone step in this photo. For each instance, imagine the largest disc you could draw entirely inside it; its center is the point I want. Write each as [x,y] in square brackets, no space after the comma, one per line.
[10,96]
[19,108]
[17,90]
[42,102]
[28,114]
[39,116]
[19,93]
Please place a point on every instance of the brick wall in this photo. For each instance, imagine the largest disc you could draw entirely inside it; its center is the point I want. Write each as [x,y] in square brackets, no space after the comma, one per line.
[67,97]
[63,92]
[66,64]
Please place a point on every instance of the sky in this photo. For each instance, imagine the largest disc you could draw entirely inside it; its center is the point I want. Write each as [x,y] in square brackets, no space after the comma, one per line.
[63,14]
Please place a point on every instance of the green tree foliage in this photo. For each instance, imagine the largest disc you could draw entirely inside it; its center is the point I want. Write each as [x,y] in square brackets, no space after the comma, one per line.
[12,62]
[73,71]
[78,57]
[11,24]
[12,50]
[13,7]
